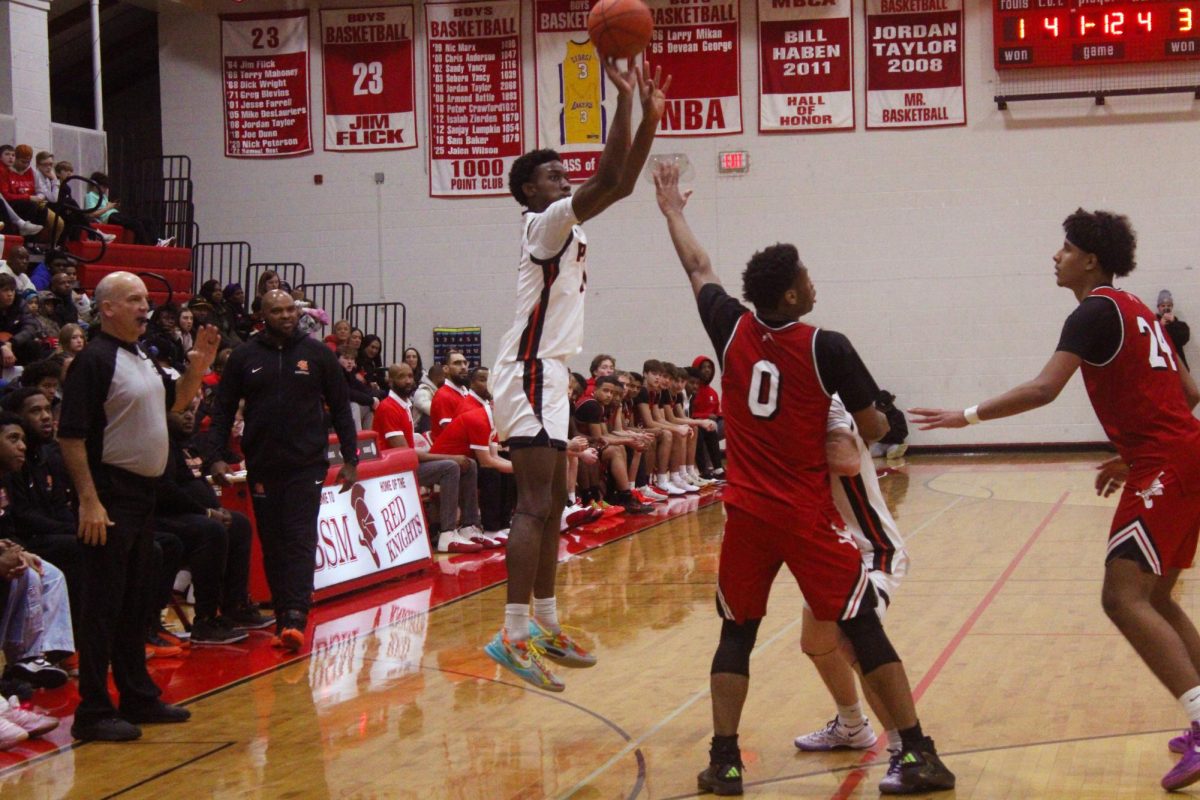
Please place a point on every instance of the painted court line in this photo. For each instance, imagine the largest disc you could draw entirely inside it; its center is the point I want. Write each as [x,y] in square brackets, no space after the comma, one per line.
[856,777]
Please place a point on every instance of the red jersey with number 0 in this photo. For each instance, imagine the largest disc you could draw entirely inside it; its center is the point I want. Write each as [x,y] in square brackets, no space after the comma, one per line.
[775,411]
[1138,394]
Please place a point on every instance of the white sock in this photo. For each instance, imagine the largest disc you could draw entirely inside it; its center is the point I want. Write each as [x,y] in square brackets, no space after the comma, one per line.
[851,716]
[662,477]
[516,621]
[545,611]
[1190,700]
[895,745]
[570,498]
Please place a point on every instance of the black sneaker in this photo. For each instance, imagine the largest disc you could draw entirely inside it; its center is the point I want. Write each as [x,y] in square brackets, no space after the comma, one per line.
[37,672]
[917,770]
[14,688]
[248,618]
[721,779]
[626,501]
[109,729]
[155,713]
[213,631]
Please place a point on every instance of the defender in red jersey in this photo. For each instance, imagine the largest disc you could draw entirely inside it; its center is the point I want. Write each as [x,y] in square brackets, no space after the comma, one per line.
[1143,395]
[778,377]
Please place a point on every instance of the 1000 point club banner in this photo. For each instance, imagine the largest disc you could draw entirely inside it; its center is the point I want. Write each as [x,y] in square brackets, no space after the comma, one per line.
[368,76]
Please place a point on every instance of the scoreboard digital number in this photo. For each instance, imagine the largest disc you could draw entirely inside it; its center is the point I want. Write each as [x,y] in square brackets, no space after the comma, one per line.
[1072,33]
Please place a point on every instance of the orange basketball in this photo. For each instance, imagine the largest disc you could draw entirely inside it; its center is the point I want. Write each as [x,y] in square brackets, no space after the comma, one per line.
[620,28]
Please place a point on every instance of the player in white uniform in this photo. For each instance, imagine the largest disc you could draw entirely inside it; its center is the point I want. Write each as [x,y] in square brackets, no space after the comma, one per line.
[529,381]
[868,521]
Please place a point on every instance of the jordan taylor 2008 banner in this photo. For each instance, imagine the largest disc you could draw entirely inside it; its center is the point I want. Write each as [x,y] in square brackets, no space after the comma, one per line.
[475,128]
[697,44]
[914,63]
[575,101]
[806,80]
[264,58]
[367,58]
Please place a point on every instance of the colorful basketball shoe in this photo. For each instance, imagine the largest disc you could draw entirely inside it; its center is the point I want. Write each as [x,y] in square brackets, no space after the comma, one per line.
[524,661]
[1187,770]
[559,647]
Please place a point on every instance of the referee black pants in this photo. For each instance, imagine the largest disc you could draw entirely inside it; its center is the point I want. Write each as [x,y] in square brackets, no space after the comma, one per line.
[286,508]
[117,585]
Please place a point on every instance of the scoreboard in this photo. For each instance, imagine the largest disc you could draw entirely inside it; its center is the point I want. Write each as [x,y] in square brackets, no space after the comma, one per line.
[1070,33]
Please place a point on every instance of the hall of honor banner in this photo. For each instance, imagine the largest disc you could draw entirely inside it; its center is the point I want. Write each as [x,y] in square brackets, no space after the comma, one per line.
[806,76]
[697,44]
[264,62]
[915,63]
[367,60]
[575,101]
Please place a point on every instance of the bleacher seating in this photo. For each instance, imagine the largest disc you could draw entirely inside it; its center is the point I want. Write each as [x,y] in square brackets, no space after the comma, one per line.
[173,263]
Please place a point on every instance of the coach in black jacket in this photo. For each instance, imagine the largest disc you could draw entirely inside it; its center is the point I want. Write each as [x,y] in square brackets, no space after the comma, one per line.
[286,379]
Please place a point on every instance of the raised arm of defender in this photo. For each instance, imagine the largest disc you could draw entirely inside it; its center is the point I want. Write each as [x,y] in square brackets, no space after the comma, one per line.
[671,202]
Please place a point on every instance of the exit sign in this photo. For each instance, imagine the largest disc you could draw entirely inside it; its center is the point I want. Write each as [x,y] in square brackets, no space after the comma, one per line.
[733,162]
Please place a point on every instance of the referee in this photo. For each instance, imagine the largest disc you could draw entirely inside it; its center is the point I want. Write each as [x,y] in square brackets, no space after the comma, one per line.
[113,434]
[286,379]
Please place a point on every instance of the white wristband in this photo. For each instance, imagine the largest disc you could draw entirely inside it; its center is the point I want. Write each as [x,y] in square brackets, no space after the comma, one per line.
[972,415]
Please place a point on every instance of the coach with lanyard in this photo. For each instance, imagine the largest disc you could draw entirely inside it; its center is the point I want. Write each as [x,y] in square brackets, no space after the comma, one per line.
[113,433]
[286,378]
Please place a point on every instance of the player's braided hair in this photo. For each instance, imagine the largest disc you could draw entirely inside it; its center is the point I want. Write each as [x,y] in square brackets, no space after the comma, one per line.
[769,273]
[1107,236]
[522,171]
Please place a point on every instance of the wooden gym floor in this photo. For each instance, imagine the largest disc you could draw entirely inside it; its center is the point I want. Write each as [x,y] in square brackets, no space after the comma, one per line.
[1026,687]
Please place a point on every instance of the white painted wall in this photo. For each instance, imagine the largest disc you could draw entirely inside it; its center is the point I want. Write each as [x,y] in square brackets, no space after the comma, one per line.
[931,249]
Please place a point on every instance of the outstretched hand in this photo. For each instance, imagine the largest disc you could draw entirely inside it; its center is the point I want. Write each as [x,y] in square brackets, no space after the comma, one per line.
[653,91]
[927,419]
[204,350]
[624,81]
[666,188]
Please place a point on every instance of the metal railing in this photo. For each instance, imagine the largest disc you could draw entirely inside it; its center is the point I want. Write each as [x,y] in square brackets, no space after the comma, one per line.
[334,298]
[290,272]
[388,321]
[224,261]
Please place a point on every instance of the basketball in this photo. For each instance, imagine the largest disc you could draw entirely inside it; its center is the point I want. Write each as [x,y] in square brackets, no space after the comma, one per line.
[620,28]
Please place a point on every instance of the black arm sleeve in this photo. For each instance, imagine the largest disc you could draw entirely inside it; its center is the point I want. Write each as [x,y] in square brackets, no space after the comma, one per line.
[719,312]
[842,371]
[1093,331]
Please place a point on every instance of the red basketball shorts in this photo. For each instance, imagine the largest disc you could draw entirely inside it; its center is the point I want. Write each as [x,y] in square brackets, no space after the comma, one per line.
[826,564]
[1156,524]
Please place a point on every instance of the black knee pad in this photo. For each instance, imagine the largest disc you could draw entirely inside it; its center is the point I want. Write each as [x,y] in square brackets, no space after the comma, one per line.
[869,641]
[733,651]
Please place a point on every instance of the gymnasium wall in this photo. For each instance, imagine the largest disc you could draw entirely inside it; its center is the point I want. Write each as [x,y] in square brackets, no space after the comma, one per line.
[930,248]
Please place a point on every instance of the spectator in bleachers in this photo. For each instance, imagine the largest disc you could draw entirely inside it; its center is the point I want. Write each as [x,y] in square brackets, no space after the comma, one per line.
[601,365]
[340,337]
[41,308]
[17,265]
[18,188]
[41,496]
[74,216]
[268,281]
[71,340]
[448,399]
[186,325]
[83,303]
[217,312]
[234,298]
[46,183]
[427,388]
[114,461]
[370,363]
[356,341]
[363,398]
[18,333]
[286,380]
[106,211]
[66,311]
[35,621]
[45,376]
[459,528]
[412,357]
[216,543]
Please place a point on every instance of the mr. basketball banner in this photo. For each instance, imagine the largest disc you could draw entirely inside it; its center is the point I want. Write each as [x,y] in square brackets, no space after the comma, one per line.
[575,101]
[914,63]
[264,58]
[377,525]
[368,76]
[697,44]
[806,79]
[475,128]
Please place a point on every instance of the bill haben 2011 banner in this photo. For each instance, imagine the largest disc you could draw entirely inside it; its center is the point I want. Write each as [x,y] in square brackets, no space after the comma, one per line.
[475,127]
[264,60]
[806,77]
[367,57]
[696,43]
[914,63]
[575,101]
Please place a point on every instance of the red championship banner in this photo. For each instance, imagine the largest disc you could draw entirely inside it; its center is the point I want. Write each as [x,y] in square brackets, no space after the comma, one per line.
[697,44]
[475,128]
[915,63]
[265,61]
[806,76]
[575,101]
[368,76]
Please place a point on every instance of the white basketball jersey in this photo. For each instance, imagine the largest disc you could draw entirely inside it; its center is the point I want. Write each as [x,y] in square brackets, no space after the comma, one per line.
[861,504]
[551,284]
